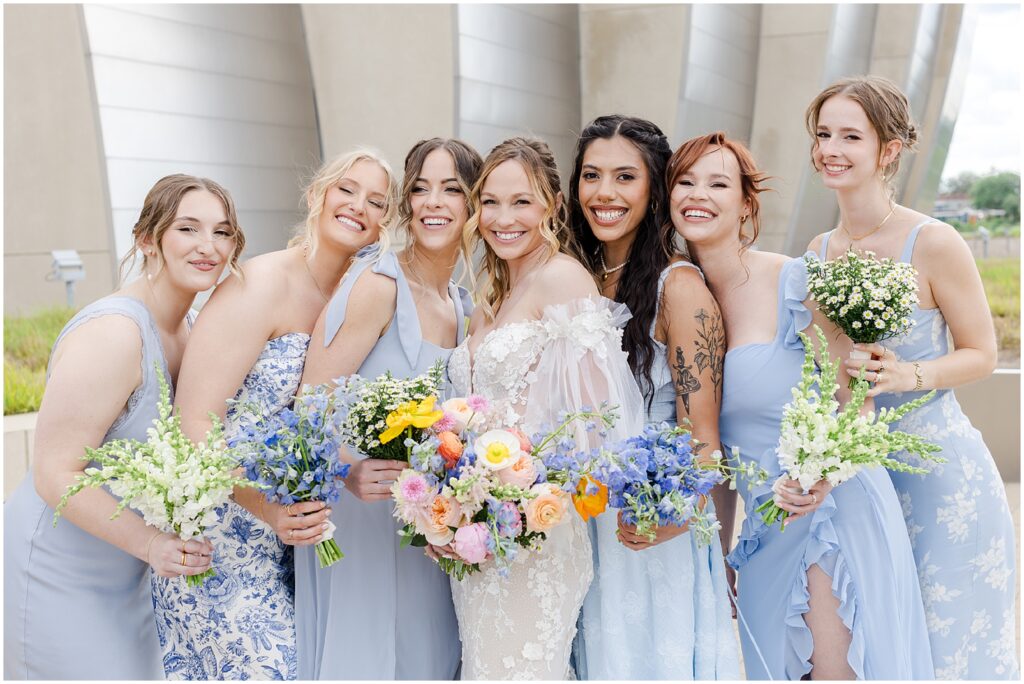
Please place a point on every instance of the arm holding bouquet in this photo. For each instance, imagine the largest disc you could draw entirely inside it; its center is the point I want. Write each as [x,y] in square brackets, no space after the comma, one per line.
[369,312]
[103,353]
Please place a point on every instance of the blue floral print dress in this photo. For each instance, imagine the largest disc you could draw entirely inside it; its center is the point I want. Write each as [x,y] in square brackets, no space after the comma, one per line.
[958,519]
[240,624]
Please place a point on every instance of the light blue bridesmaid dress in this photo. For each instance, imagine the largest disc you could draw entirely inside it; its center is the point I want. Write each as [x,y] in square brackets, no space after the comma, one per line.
[958,519]
[240,623]
[664,612]
[856,536]
[382,612]
[76,607]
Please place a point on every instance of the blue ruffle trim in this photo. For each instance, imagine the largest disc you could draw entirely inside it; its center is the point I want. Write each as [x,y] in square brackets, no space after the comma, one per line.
[793,290]
[823,550]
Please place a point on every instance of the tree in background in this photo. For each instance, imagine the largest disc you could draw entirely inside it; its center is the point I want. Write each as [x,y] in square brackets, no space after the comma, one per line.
[960,184]
[998,191]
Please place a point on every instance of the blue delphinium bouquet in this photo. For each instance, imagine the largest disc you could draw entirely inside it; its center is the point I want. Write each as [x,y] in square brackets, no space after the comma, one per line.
[657,478]
[294,455]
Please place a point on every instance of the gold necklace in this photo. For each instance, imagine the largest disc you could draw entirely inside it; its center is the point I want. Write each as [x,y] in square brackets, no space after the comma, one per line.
[305,251]
[605,271]
[853,240]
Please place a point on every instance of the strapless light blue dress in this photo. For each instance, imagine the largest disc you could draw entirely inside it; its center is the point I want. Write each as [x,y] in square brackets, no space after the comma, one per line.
[664,612]
[958,520]
[240,623]
[76,607]
[856,536]
[382,612]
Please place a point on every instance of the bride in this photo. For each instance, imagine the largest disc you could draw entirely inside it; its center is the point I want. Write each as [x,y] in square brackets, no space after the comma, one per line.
[542,340]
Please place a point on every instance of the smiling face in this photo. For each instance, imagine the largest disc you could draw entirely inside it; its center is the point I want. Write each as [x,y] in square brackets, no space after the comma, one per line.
[614,188]
[846,152]
[197,245]
[511,212]
[353,207]
[438,204]
[707,200]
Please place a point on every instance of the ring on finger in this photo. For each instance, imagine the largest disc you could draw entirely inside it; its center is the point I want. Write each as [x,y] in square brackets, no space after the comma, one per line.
[291,533]
[184,558]
[881,367]
[814,498]
[288,510]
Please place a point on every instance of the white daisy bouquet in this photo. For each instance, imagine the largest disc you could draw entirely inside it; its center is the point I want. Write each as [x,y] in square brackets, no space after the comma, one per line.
[492,493]
[819,441]
[869,299]
[174,484]
[374,413]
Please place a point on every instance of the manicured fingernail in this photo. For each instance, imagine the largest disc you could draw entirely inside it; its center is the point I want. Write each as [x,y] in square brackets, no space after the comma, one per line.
[324,526]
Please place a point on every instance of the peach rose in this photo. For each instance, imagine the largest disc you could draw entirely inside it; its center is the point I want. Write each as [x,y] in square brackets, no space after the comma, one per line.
[522,473]
[436,524]
[547,510]
[460,412]
[450,449]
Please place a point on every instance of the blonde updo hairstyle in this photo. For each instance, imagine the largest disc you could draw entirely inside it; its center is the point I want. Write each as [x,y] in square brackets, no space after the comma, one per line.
[329,174]
[158,212]
[886,107]
[492,282]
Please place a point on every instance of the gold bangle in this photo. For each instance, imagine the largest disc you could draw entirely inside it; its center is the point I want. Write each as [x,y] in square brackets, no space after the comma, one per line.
[919,375]
[149,545]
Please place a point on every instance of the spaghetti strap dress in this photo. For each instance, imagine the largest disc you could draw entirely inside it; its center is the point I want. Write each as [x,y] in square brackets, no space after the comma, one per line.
[664,612]
[76,607]
[382,612]
[857,536]
[958,519]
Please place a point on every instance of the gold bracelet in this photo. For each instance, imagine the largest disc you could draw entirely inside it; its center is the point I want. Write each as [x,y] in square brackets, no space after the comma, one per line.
[919,375]
[149,545]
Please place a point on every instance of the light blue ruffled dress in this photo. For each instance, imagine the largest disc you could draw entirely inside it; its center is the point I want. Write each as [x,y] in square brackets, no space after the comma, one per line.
[240,623]
[856,536]
[958,519]
[382,612]
[76,607]
[660,613]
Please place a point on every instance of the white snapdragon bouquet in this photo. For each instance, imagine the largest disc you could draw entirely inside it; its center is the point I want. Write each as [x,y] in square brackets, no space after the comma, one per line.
[818,441]
[173,483]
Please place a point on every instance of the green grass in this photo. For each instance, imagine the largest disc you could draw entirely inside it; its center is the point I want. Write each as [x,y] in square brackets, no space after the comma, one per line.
[27,343]
[1002,285]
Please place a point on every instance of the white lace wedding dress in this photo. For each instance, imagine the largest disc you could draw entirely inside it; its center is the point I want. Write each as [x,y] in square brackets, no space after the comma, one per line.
[522,626]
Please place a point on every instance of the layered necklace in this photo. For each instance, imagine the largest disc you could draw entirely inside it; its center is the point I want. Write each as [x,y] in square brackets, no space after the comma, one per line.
[605,271]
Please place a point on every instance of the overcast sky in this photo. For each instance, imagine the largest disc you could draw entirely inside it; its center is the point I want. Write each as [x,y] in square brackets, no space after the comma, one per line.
[988,129]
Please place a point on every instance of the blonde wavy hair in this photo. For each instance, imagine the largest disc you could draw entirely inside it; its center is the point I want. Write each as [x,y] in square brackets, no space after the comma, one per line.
[491,282]
[329,174]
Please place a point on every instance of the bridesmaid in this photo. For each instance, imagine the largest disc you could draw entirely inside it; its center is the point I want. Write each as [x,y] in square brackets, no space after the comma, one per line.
[386,612]
[240,623]
[679,623]
[76,596]
[820,599]
[958,518]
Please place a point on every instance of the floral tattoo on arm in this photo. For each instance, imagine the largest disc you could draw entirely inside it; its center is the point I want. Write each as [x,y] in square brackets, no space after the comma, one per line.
[710,345]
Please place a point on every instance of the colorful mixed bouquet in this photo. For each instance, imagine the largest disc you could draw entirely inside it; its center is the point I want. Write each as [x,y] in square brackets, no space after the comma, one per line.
[657,479]
[820,442]
[294,455]
[373,413]
[173,483]
[491,494]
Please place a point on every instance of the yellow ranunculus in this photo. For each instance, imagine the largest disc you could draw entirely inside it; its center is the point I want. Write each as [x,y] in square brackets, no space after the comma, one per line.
[417,414]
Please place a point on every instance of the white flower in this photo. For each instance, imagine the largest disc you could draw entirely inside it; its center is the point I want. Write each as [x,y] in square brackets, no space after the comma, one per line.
[497,449]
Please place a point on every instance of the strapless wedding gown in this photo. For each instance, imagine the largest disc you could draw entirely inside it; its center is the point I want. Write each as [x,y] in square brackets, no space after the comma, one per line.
[522,626]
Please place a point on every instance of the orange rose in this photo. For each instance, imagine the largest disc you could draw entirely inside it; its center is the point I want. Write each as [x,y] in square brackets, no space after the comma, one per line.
[590,505]
[547,510]
[450,449]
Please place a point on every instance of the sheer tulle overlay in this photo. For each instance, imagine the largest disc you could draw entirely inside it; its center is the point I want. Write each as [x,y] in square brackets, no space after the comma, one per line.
[522,626]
